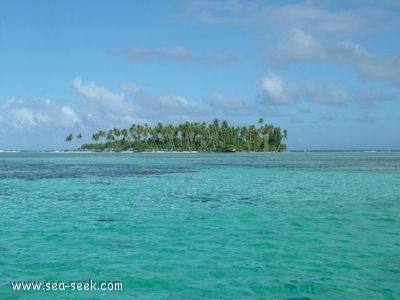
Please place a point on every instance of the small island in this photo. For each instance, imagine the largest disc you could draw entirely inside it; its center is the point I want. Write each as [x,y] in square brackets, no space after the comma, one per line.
[189,136]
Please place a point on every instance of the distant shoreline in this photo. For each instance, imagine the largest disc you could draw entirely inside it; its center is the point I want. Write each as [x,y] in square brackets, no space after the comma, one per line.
[193,152]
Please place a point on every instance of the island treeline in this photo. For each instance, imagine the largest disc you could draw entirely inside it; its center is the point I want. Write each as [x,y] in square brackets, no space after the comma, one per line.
[217,136]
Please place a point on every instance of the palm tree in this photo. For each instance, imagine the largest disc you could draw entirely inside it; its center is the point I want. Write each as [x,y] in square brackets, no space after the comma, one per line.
[265,131]
[69,137]
[170,134]
[117,132]
[275,139]
[186,135]
[110,136]
[125,138]
[244,137]
[214,134]
[157,134]
[95,137]
[285,134]
[145,131]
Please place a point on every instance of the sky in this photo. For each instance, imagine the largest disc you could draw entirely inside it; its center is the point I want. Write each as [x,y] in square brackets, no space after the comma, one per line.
[327,71]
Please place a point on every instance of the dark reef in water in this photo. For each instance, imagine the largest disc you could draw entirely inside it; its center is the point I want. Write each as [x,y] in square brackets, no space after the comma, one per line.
[106,219]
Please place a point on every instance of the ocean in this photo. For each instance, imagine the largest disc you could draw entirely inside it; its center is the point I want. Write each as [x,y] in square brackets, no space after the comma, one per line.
[292,225]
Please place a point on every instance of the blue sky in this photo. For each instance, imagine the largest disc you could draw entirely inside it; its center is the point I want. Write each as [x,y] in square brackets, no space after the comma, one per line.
[327,71]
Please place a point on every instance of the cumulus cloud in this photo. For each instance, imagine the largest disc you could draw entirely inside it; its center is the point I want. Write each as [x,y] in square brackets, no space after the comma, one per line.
[312,30]
[37,123]
[171,54]
[135,105]
[299,46]
[99,108]
[166,108]
[277,91]
[368,65]
[92,91]
[21,115]
[270,17]
[150,54]
[296,45]
[307,15]
[69,117]
[105,106]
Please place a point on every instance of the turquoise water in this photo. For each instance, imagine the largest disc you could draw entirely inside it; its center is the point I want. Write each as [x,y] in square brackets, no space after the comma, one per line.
[202,226]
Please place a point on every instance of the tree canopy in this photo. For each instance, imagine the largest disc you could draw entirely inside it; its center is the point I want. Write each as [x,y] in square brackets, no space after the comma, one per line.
[217,136]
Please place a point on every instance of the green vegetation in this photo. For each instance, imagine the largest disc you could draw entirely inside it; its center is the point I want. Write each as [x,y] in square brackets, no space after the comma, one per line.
[189,136]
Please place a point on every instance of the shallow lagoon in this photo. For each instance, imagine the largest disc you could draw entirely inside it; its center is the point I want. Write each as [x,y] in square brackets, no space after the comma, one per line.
[317,225]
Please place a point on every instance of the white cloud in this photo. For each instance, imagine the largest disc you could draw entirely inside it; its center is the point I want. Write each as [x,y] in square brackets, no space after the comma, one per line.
[277,91]
[23,116]
[176,53]
[307,15]
[94,92]
[108,109]
[172,54]
[311,30]
[271,17]
[368,65]
[105,102]
[37,123]
[297,45]
[69,117]
[174,101]
[164,108]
